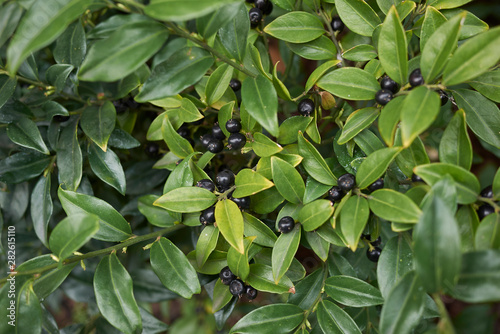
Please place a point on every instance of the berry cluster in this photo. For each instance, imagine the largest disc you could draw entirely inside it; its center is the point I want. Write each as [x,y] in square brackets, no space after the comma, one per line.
[236,286]
[486,209]
[213,141]
[344,183]
[389,88]
[262,7]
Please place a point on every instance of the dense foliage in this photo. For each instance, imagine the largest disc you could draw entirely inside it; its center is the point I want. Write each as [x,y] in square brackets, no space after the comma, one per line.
[268,166]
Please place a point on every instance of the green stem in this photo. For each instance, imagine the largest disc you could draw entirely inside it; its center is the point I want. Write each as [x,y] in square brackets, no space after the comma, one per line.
[129,242]
[187,35]
[132,3]
[445,322]
[334,38]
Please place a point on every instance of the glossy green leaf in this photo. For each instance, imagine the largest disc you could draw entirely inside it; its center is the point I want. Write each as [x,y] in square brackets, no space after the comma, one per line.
[112,226]
[238,262]
[412,156]
[319,72]
[433,19]
[154,214]
[358,16]
[69,157]
[40,26]
[308,290]
[264,146]
[183,69]
[314,163]
[352,291]
[107,167]
[249,183]
[209,24]
[332,319]
[71,46]
[218,83]
[443,4]
[71,233]
[260,59]
[314,190]
[437,247]
[350,83]
[58,74]
[261,278]
[7,88]
[395,261]
[420,109]
[287,180]
[178,10]
[173,268]
[270,319]
[473,58]
[357,122]
[181,176]
[284,251]
[455,146]
[233,35]
[261,102]
[362,52]
[389,118]
[214,264]
[468,222]
[266,201]
[375,165]
[41,207]
[256,228]
[481,115]
[488,232]
[22,166]
[9,18]
[392,47]
[296,27]
[472,24]
[321,48]
[222,296]
[178,145]
[394,206]
[290,127]
[353,218]
[98,123]
[25,133]
[315,214]
[230,223]
[280,87]
[186,199]
[114,295]
[488,84]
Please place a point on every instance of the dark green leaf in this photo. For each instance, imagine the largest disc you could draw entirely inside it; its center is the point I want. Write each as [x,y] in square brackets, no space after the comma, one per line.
[455,146]
[358,16]
[98,123]
[314,190]
[7,88]
[375,165]
[309,289]
[26,309]
[178,145]
[287,180]
[392,47]
[10,14]
[238,262]
[385,5]
[284,251]
[254,227]
[318,49]
[210,23]
[270,319]
[314,163]
[41,207]
[357,122]
[71,46]
[266,201]
[352,292]
[350,83]
[261,278]
[353,218]
[290,127]
[468,222]
[315,214]
[433,19]
[25,133]
[230,223]
[389,118]
[175,10]
[22,166]
[69,157]
[394,262]
[295,27]
[443,4]
[488,84]
[186,199]
[233,35]
[218,83]
[58,74]
[222,296]
[412,156]
[394,206]
[319,72]
[154,214]
[488,232]
[107,166]
[332,319]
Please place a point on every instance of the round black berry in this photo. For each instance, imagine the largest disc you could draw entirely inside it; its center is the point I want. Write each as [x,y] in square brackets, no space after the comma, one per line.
[377,242]
[132,104]
[265,6]
[379,184]
[306,107]
[236,287]
[235,84]
[337,24]
[242,202]
[206,184]
[346,182]
[215,146]
[233,125]
[206,139]
[416,178]
[487,192]
[183,131]
[152,149]
[236,141]
[416,78]
[335,194]
[443,96]
[485,210]
[373,254]
[389,84]
[207,216]
[249,1]
[120,106]
[217,132]
[251,293]
[226,276]
[60,118]
[383,96]
[286,224]
[224,179]
[255,15]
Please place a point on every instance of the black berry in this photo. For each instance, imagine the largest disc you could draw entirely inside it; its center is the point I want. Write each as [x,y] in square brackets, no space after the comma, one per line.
[226,276]
[255,15]
[487,192]
[389,84]
[60,118]
[383,96]
[335,194]
[346,182]
[265,6]
[206,139]
[377,242]
[373,254]
[215,146]
[337,24]
[249,1]
[416,78]
[152,149]
[485,210]
[217,132]
[132,104]
[286,224]
[235,84]
[236,287]
[379,184]
[207,216]
[443,96]
[242,202]
[224,179]
[206,184]
[251,293]
[416,178]
[233,125]
[120,106]
[183,131]
[236,141]
[306,107]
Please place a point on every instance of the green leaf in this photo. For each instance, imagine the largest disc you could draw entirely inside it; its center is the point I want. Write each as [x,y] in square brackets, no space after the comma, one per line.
[285,4]
[488,85]
[237,262]
[256,228]
[358,16]
[357,122]
[321,48]
[473,58]
[290,127]
[412,156]
[181,176]
[181,70]
[209,24]
[40,26]
[481,115]
[214,264]
[222,296]
[114,295]
[263,146]
[284,251]
[261,102]
[186,199]
[266,201]
[287,180]
[112,226]
[362,52]
[313,162]
[443,4]
[392,47]
[315,214]
[455,146]
[69,157]
[433,19]
[394,262]
[58,74]
[314,190]
[308,290]
[439,47]
[353,218]
[259,57]
[270,319]
[488,232]
[107,167]
[352,291]
[394,206]
[280,87]
[218,83]
[26,309]
[261,278]
[375,165]
[173,269]
[420,109]
[468,222]
[71,233]
[154,214]
[98,123]
[385,5]
[350,83]
[71,46]
[233,35]
[368,142]
[389,118]
[332,319]
[249,183]
[9,18]
[7,88]
[466,183]
[22,166]
[404,306]
[41,207]
[175,10]
[178,145]
[319,72]
[230,223]
[296,27]
[479,276]
[25,133]
[437,247]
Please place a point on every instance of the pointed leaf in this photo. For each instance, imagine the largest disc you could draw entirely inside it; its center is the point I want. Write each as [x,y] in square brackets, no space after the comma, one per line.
[69,157]
[230,223]
[237,262]
[295,27]
[249,183]
[352,291]
[433,19]
[186,199]
[375,165]
[261,278]
[332,319]
[233,35]
[256,228]
[25,133]
[22,166]
[315,214]
[261,102]
[41,207]
[71,46]
[455,146]
[98,123]
[218,83]
[350,83]
[394,206]
[395,261]
[353,218]
[358,16]
[389,119]
[107,167]
[313,162]
[284,251]
[392,47]
[287,180]
[178,145]
[263,146]
[270,319]
[357,122]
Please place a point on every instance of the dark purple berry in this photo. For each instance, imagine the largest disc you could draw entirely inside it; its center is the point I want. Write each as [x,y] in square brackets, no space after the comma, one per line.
[226,276]
[215,146]
[242,202]
[416,78]
[377,242]
[415,178]
[235,84]
[206,139]
[224,179]
[373,254]
[207,216]
[389,84]
[206,184]
[233,125]
[306,107]
[152,149]
[335,194]
[346,182]
[379,184]
[443,97]
[183,131]
[383,96]
[487,192]
[236,141]
[255,15]
[217,132]
[286,224]
[120,106]
[251,293]
[236,287]
[485,210]
[337,24]
[265,6]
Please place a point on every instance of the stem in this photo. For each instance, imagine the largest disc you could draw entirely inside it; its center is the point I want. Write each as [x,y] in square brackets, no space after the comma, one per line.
[187,35]
[445,323]
[334,38]
[132,3]
[132,241]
